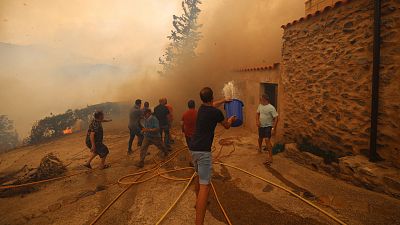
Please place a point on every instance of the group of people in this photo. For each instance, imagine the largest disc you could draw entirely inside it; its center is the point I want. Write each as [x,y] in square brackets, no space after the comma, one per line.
[150,128]
[198,127]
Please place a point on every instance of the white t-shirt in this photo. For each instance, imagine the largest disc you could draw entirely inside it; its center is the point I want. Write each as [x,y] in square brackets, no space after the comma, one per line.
[267,114]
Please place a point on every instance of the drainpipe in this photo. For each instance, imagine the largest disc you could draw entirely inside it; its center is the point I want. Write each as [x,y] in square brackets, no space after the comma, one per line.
[373,155]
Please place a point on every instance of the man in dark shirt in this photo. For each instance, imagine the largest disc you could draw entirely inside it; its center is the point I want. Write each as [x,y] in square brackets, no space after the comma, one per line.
[162,114]
[208,116]
[135,115]
[94,140]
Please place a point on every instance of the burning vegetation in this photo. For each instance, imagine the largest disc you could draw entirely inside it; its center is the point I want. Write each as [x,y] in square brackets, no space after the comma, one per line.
[71,121]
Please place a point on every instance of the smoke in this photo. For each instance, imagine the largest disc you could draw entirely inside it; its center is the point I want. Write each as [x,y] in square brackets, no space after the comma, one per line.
[56,55]
[236,34]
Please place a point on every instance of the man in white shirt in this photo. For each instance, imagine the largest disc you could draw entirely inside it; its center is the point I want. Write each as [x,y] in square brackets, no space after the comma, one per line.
[266,119]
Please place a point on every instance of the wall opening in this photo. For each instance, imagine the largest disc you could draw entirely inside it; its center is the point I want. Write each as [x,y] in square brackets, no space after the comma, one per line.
[271,90]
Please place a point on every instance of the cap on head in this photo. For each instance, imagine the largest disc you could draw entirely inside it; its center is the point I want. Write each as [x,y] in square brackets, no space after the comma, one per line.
[206,95]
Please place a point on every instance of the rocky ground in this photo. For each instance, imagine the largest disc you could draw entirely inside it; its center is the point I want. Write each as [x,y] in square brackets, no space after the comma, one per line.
[79,199]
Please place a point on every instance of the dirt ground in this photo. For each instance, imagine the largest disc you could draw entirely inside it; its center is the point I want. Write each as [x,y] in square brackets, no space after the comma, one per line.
[80,199]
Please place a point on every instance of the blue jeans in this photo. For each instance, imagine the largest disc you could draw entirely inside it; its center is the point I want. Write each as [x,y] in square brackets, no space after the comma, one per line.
[165,129]
[202,162]
[132,133]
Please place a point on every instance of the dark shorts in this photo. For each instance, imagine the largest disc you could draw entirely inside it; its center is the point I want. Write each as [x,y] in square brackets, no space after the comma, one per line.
[101,149]
[264,132]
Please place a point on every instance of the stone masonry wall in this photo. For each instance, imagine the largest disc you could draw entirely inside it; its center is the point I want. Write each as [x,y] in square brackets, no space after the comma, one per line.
[326,74]
[311,6]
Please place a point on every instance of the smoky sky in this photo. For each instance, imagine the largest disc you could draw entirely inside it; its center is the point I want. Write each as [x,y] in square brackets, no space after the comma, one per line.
[56,55]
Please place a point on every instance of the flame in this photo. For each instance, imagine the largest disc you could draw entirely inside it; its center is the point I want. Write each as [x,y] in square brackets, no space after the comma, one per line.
[67,131]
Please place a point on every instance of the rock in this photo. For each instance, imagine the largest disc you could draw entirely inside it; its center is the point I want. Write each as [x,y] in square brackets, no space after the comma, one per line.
[69,200]
[362,61]
[310,196]
[100,188]
[348,24]
[367,171]
[268,188]
[392,183]
[347,30]
[85,194]
[54,207]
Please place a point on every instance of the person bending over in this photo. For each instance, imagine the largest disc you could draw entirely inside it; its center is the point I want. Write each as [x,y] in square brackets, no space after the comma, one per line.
[208,116]
[94,140]
[152,135]
[266,119]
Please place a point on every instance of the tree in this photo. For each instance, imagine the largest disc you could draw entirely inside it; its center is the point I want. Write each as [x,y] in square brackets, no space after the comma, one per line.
[8,135]
[184,37]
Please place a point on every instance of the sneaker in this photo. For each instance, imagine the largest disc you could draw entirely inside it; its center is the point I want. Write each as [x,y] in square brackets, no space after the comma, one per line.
[140,164]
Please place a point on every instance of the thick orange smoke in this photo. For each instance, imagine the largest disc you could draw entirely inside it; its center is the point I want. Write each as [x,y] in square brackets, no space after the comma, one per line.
[236,34]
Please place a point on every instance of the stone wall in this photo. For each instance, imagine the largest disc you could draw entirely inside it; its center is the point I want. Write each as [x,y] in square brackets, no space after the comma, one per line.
[312,6]
[326,74]
[249,85]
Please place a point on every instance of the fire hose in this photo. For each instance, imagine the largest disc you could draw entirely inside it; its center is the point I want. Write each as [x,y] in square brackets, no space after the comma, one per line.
[155,171]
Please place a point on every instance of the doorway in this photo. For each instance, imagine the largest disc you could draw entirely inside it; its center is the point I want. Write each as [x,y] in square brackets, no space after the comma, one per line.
[271,90]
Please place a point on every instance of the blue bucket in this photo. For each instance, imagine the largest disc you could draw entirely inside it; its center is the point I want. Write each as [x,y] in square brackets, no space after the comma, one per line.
[234,108]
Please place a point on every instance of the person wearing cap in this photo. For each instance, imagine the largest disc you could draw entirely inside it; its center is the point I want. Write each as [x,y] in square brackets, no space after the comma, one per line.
[152,136]
[208,116]
[135,115]
[94,140]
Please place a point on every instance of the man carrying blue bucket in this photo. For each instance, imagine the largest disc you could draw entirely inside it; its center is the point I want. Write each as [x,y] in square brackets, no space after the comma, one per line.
[267,119]
[208,116]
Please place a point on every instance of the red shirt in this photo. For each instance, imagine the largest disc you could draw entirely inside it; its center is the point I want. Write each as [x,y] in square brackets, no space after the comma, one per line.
[189,122]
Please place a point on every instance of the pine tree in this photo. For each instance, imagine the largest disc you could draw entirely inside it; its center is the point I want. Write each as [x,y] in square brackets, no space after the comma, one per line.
[184,37]
[8,135]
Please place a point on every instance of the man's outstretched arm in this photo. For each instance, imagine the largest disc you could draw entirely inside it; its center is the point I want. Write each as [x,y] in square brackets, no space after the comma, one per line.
[218,103]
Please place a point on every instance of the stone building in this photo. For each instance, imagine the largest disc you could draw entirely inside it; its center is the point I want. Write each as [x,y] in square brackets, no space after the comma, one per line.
[312,6]
[260,80]
[323,82]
